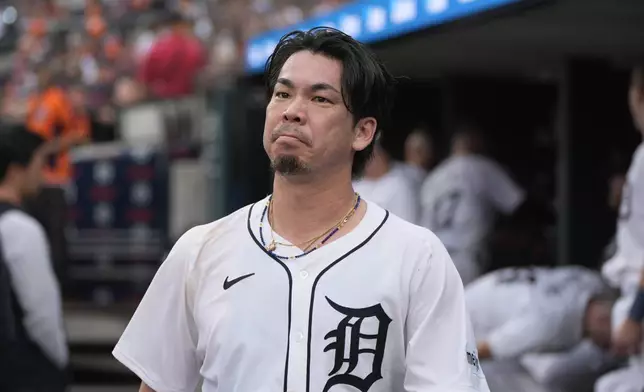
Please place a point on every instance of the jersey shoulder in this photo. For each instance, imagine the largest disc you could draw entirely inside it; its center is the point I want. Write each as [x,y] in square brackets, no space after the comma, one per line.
[20,223]
[223,230]
[637,163]
[410,237]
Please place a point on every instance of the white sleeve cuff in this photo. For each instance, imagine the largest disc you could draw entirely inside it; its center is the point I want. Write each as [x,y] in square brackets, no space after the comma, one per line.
[141,373]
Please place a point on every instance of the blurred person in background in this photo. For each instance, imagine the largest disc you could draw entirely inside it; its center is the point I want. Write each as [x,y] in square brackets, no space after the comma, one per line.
[33,349]
[387,185]
[60,122]
[563,311]
[174,62]
[625,270]
[460,197]
[419,155]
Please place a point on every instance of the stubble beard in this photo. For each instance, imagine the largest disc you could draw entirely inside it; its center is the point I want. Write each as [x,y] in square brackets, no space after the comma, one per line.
[289,165]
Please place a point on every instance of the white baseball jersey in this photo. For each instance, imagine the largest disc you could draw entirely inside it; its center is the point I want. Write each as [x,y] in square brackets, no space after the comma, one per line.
[380,309]
[624,268]
[459,198]
[522,310]
[395,192]
[414,173]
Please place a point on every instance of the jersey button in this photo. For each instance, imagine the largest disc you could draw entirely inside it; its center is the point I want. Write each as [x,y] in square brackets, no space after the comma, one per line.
[304,274]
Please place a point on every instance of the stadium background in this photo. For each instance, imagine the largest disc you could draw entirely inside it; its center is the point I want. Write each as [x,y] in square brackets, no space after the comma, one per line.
[546,80]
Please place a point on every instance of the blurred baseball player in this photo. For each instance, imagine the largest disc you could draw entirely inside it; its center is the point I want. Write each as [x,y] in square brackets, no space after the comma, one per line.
[312,288]
[386,184]
[419,156]
[519,311]
[459,200]
[625,269]
[515,311]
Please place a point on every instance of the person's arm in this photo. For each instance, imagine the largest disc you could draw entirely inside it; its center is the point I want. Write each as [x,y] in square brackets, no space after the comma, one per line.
[628,339]
[33,280]
[504,194]
[145,388]
[441,355]
[64,118]
[159,344]
[485,352]
[517,337]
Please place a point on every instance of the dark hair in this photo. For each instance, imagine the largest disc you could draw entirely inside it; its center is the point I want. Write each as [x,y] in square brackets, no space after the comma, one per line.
[367,86]
[470,133]
[17,147]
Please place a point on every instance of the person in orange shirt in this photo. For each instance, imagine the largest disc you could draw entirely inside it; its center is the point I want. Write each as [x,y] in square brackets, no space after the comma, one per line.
[59,119]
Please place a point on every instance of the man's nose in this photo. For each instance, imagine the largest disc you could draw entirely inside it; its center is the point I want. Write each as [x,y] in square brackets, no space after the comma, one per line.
[295,112]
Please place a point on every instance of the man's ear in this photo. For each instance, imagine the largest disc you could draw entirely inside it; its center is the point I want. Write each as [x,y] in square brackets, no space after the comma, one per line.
[364,132]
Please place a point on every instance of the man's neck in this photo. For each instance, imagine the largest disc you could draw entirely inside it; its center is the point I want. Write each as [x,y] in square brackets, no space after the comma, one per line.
[460,152]
[9,195]
[302,210]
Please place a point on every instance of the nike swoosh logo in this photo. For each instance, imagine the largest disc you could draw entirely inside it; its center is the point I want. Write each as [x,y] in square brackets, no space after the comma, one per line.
[229,283]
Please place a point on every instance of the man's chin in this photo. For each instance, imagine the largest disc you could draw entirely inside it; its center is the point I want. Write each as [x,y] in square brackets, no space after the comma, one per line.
[289,165]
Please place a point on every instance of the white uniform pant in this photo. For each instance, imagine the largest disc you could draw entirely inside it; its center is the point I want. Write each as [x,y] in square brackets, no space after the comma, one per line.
[631,377]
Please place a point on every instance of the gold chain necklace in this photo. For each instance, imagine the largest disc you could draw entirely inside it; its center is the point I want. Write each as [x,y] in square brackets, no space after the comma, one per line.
[273,244]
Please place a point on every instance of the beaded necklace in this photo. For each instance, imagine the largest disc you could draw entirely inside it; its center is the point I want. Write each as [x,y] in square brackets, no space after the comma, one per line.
[331,231]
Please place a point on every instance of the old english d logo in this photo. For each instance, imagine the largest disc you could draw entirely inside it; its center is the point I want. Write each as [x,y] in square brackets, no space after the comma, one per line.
[350,328]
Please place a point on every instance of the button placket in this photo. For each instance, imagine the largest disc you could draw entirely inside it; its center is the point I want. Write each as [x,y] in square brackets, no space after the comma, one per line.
[301,301]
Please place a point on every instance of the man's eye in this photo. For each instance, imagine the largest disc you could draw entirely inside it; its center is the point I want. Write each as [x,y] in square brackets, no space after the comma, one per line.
[321,100]
[281,94]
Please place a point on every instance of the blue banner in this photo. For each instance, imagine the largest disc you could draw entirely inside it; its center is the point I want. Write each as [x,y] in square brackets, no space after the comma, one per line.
[374,20]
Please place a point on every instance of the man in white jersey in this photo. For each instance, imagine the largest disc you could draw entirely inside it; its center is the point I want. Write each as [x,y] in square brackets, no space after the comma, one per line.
[519,311]
[312,288]
[459,200]
[386,184]
[625,270]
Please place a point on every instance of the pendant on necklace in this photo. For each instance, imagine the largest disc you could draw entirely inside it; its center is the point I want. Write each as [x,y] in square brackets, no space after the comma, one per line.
[271,247]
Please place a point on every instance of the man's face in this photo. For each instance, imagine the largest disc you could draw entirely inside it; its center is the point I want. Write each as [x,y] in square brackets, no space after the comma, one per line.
[308,128]
[636,98]
[418,151]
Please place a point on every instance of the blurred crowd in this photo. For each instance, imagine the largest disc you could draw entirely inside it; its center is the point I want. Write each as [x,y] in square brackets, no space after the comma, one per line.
[108,54]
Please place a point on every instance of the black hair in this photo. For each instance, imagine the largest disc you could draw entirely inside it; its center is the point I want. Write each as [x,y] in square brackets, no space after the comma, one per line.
[367,85]
[471,133]
[17,147]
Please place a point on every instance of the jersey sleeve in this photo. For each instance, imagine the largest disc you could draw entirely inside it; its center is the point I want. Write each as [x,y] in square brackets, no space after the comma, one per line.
[159,344]
[405,203]
[519,336]
[425,202]
[501,190]
[632,206]
[27,258]
[441,352]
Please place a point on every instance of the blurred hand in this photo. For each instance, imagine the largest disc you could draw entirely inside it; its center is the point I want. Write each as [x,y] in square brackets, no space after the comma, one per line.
[628,339]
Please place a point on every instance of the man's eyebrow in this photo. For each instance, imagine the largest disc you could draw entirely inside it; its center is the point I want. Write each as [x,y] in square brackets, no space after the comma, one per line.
[323,86]
[285,82]
[315,87]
